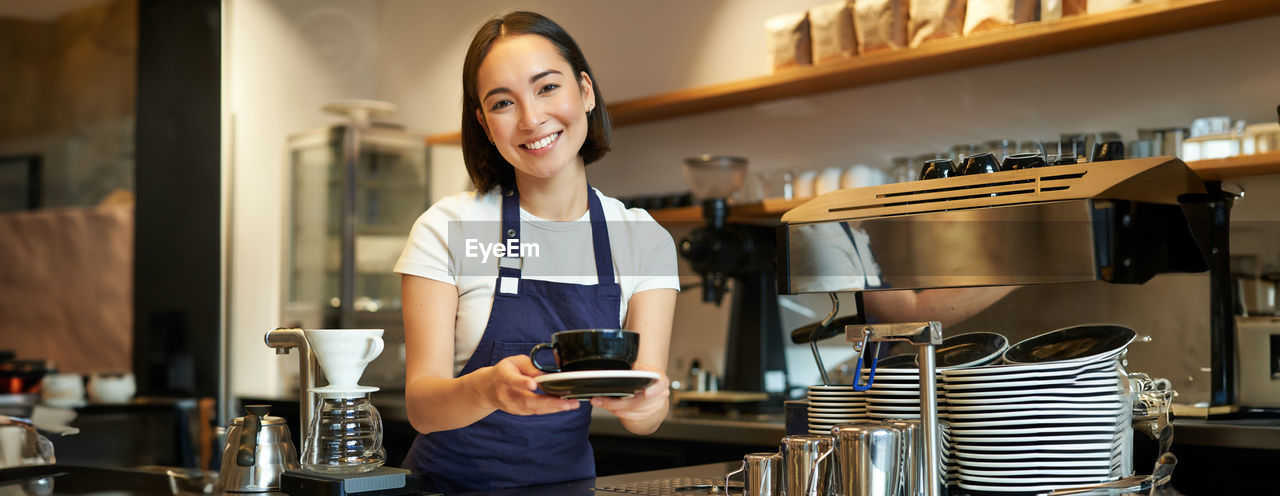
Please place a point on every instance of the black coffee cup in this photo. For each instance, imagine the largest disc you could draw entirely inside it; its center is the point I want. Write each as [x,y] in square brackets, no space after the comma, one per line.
[1107,151]
[1020,161]
[590,349]
[981,163]
[937,169]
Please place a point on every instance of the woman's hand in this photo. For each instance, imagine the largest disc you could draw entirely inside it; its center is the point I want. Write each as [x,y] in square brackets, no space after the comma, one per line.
[643,413]
[509,386]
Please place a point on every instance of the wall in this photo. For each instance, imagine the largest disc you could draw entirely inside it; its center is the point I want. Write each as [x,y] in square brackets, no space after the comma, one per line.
[284,60]
[68,94]
[644,48]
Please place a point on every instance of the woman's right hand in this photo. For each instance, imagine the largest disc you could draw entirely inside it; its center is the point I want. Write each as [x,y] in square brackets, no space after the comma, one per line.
[510,387]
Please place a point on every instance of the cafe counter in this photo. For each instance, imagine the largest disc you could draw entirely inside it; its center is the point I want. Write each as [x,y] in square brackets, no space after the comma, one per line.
[49,480]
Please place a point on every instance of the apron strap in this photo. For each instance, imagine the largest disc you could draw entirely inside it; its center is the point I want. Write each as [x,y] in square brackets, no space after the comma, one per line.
[600,238]
[509,267]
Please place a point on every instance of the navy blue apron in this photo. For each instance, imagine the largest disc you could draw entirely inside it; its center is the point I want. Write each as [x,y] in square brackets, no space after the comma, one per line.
[504,450]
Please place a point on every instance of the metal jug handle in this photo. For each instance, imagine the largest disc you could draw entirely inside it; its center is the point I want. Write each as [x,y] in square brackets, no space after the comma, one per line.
[813,475]
[246,453]
[740,470]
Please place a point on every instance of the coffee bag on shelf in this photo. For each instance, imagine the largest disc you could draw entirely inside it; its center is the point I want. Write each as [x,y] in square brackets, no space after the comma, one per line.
[992,14]
[880,25]
[935,19]
[789,41]
[831,28]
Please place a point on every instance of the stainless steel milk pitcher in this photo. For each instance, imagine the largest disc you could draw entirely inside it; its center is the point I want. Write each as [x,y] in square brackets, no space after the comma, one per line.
[761,475]
[870,459]
[806,465]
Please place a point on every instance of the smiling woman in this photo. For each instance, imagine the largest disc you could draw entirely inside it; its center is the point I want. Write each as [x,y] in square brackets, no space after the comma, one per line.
[495,69]
[477,298]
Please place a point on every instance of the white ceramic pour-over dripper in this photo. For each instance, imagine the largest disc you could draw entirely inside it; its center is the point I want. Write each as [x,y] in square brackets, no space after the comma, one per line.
[344,353]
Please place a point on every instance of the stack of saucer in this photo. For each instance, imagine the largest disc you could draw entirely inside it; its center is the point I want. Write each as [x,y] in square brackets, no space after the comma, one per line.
[1035,426]
[895,394]
[832,405]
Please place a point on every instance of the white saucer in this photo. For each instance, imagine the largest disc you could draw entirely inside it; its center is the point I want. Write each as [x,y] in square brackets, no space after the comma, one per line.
[583,384]
[338,390]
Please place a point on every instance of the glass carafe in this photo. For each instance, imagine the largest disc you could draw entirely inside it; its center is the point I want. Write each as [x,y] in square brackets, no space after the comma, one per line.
[345,435]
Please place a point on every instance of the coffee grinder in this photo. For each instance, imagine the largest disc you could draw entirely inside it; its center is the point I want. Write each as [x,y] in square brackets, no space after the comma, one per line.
[719,252]
[342,450]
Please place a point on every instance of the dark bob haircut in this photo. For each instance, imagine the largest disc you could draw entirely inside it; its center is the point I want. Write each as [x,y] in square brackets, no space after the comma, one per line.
[485,165]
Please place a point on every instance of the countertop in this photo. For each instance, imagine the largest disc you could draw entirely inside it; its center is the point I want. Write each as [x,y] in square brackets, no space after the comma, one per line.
[125,482]
[680,424]
[684,425]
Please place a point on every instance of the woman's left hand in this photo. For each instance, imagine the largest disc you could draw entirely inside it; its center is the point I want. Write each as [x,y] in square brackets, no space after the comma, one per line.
[643,413]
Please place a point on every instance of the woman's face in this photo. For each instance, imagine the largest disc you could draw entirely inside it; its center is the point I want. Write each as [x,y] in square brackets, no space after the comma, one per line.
[532,105]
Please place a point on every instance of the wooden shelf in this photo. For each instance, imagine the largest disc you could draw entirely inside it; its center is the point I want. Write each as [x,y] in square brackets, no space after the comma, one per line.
[1151,18]
[1233,167]
[771,210]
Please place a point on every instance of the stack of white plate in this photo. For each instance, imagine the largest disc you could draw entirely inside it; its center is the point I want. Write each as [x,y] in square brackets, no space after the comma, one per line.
[1035,426]
[895,392]
[833,405]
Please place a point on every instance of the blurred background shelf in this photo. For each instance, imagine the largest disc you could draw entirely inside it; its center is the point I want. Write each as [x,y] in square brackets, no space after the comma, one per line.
[1234,167]
[1033,39]
[771,210]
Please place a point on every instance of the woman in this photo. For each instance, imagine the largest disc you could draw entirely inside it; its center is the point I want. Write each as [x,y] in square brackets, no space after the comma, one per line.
[532,119]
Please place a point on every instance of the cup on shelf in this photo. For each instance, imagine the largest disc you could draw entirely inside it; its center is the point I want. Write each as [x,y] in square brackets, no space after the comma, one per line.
[62,390]
[862,175]
[1031,146]
[980,163]
[1001,148]
[802,184]
[1107,151]
[902,169]
[1019,161]
[828,180]
[777,184]
[959,152]
[111,388]
[938,168]
[1140,149]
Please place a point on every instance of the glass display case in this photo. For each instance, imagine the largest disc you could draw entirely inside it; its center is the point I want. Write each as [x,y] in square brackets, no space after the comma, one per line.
[355,190]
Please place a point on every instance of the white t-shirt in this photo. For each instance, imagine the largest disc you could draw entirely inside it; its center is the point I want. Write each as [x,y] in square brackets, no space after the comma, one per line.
[455,241]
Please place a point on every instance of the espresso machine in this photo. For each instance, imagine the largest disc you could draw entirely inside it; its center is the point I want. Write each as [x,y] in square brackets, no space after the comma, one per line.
[1121,221]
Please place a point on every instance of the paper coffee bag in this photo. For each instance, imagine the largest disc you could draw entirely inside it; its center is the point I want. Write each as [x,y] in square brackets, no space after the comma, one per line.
[880,25]
[982,15]
[831,28]
[934,19]
[789,41]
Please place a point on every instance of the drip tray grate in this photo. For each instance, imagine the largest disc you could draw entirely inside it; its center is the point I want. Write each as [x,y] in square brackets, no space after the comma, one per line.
[682,486]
